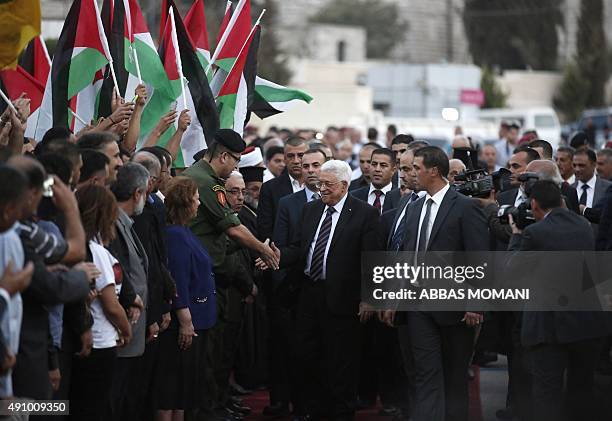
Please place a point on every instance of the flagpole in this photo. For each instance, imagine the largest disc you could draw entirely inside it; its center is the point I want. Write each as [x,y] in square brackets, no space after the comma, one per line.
[83,122]
[225,35]
[107,53]
[44,48]
[257,22]
[179,63]
[8,102]
[128,19]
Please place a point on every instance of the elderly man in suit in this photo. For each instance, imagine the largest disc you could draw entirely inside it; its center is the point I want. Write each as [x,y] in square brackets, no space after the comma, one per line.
[380,193]
[590,187]
[564,340]
[282,302]
[441,342]
[334,232]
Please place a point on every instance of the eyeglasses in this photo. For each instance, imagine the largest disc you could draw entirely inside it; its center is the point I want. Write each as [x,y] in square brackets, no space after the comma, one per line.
[326,184]
[236,158]
[236,192]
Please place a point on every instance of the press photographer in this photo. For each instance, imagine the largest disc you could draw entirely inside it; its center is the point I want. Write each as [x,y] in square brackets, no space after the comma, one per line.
[559,341]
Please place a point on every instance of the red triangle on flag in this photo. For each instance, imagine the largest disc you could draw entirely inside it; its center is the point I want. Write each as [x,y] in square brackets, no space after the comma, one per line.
[19,81]
[238,32]
[195,22]
[232,82]
[169,53]
[226,18]
[87,31]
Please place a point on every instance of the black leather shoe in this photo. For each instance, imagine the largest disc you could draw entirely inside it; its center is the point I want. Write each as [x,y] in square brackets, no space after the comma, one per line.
[505,414]
[277,410]
[241,409]
[388,411]
[238,390]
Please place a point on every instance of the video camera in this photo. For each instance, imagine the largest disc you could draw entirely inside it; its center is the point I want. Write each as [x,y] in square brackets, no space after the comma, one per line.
[521,214]
[478,183]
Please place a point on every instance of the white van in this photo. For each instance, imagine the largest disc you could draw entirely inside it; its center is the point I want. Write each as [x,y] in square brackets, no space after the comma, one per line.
[542,119]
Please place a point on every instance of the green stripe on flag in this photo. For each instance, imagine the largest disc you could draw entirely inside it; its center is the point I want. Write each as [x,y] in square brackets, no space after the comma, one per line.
[83,68]
[272,94]
[226,106]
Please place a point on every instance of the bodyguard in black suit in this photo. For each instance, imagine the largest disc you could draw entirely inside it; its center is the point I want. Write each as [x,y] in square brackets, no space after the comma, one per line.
[285,287]
[380,192]
[290,181]
[559,341]
[365,155]
[334,232]
[442,342]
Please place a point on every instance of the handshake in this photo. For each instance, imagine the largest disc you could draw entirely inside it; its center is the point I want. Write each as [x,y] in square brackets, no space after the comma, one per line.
[269,256]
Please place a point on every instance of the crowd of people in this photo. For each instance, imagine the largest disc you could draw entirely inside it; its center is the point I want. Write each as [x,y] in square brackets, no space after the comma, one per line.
[138,291]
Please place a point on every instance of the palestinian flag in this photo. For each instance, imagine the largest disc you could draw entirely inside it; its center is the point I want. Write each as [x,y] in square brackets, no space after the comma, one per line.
[232,40]
[36,61]
[82,50]
[195,22]
[225,21]
[178,53]
[232,100]
[271,98]
[141,60]
[113,15]
[18,81]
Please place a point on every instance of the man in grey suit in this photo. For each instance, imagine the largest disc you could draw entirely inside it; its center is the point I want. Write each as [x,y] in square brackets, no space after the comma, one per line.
[590,187]
[562,340]
[130,189]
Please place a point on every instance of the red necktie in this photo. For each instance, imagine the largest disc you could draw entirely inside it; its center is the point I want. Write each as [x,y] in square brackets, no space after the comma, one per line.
[377,203]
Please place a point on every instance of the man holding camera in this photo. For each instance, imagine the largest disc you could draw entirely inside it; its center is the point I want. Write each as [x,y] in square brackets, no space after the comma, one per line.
[558,341]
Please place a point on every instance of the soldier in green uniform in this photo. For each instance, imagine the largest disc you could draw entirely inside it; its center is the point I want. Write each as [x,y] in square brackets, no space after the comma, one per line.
[214,225]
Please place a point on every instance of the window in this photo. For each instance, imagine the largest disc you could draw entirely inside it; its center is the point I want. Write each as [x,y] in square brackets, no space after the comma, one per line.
[341,51]
[544,120]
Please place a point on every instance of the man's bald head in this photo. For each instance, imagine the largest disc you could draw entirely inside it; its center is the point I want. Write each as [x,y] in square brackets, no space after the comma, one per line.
[546,170]
[461,142]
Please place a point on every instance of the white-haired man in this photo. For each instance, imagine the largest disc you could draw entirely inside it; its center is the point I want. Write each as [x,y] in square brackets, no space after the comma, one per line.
[334,232]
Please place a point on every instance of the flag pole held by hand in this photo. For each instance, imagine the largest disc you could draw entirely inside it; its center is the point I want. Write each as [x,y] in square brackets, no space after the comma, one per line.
[8,102]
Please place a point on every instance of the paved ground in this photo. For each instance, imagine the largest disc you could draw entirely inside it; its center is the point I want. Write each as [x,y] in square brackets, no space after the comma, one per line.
[493,384]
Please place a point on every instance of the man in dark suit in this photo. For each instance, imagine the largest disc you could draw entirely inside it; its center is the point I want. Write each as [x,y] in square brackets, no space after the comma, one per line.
[441,342]
[380,193]
[365,155]
[290,181]
[590,187]
[283,292]
[334,232]
[604,236]
[559,341]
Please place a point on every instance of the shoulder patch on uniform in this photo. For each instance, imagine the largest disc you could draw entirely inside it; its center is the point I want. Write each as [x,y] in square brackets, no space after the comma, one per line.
[218,187]
[221,197]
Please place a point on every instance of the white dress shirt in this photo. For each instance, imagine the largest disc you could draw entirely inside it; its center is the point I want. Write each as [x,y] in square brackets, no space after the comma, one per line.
[372,195]
[335,217]
[267,175]
[437,201]
[571,180]
[295,185]
[420,194]
[309,194]
[520,197]
[590,191]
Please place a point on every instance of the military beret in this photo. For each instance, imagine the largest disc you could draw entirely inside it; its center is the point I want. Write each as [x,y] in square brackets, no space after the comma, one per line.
[252,173]
[230,139]
[579,139]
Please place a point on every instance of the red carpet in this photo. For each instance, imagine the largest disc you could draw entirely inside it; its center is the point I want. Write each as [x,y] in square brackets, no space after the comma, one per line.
[258,400]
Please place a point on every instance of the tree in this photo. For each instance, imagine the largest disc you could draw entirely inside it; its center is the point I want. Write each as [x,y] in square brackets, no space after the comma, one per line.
[494,96]
[271,61]
[381,20]
[592,51]
[513,34]
[571,98]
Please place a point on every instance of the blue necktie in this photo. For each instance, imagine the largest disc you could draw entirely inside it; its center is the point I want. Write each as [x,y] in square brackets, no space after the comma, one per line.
[398,235]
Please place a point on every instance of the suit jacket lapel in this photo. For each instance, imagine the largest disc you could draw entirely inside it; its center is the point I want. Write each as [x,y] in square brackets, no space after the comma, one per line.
[400,207]
[412,225]
[345,216]
[447,203]
[311,224]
